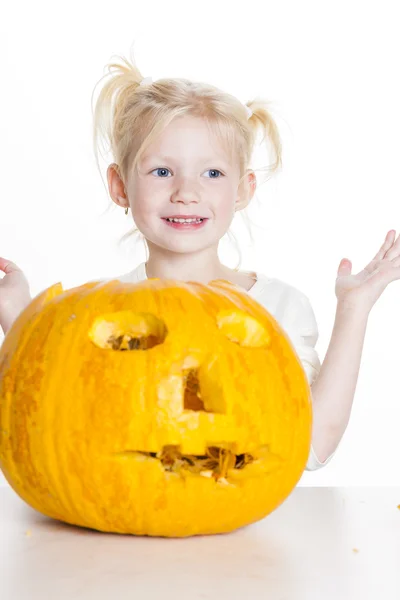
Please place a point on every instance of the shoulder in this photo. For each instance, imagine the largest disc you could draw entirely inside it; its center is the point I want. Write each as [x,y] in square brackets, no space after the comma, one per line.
[293,310]
[280,291]
[289,305]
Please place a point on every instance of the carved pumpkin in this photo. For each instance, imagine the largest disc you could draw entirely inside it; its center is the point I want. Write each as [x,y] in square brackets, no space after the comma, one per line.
[155,408]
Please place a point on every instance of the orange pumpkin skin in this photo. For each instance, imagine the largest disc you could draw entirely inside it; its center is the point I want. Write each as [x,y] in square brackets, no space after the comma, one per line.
[88,432]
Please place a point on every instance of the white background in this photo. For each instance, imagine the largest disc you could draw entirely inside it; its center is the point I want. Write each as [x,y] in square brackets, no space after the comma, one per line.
[331,70]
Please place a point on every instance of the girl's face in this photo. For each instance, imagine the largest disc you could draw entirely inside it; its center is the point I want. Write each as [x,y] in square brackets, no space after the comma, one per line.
[185,172]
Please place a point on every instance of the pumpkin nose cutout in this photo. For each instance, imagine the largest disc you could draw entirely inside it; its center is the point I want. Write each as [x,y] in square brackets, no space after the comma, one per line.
[192,399]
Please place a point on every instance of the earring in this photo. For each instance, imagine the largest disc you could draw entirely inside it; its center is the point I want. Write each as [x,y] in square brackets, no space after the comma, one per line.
[126,210]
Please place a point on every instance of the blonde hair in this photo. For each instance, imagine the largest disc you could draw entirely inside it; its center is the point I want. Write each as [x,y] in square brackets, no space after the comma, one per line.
[129,117]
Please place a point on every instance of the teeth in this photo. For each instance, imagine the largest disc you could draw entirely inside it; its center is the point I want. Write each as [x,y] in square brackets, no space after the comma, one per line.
[185,220]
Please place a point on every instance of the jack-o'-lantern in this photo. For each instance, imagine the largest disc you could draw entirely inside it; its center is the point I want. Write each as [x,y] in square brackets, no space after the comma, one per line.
[156,408]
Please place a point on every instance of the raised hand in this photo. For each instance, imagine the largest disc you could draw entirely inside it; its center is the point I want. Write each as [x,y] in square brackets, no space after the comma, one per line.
[14,293]
[363,289]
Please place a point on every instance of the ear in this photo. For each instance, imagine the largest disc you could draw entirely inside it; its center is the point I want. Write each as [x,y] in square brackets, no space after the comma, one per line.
[116,186]
[246,190]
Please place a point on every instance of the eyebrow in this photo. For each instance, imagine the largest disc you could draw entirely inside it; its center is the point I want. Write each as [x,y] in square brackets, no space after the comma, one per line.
[171,158]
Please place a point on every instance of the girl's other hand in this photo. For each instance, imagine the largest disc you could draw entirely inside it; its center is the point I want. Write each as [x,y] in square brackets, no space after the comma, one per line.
[14,293]
[361,290]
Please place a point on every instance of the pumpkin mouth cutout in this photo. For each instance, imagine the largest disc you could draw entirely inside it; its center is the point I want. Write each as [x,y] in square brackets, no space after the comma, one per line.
[217,463]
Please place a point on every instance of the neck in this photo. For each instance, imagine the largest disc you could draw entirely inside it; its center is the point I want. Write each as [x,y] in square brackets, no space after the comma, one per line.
[203,266]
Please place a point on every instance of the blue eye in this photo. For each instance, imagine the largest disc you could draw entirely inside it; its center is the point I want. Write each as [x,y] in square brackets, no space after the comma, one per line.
[215,171]
[209,170]
[160,169]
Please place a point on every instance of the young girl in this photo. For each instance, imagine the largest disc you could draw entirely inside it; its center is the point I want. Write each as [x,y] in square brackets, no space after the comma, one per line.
[182,151]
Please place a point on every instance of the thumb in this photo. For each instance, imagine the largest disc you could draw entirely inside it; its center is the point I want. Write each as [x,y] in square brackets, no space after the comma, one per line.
[344,267]
[7,265]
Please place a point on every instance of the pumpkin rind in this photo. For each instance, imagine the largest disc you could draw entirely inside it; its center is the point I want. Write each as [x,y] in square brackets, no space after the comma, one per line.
[103,427]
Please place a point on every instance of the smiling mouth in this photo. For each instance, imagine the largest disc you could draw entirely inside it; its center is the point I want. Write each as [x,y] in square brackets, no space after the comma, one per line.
[183,224]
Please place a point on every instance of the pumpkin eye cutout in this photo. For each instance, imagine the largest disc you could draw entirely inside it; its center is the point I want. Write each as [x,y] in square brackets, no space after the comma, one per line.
[127,330]
[243,329]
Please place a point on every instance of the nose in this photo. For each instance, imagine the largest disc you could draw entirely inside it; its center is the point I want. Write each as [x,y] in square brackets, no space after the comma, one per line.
[186,191]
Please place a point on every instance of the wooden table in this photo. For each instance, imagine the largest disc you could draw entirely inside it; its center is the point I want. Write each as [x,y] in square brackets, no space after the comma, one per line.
[320,544]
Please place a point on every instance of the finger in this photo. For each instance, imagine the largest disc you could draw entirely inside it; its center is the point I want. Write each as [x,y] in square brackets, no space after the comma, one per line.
[387,244]
[8,266]
[396,262]
[394,250]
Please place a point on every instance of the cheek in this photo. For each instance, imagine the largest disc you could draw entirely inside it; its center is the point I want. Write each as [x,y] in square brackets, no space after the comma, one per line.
[225,207]
[145,203]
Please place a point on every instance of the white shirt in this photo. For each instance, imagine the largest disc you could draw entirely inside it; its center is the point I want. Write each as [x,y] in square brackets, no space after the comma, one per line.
[293,311]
